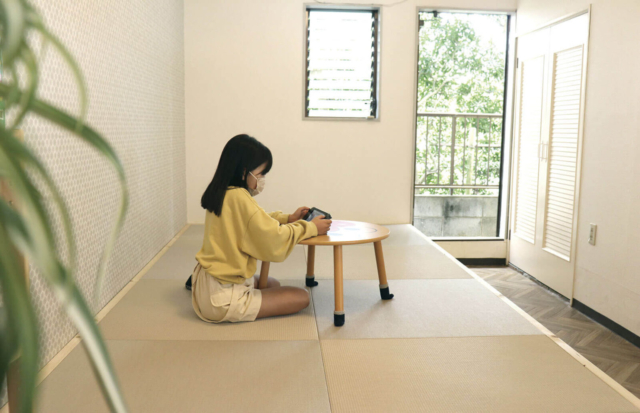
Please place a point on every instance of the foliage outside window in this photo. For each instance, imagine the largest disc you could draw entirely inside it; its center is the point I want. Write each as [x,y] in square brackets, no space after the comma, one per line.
[461,69]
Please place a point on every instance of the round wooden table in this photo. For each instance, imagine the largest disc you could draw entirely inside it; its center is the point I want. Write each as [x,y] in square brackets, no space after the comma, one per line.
[342,233]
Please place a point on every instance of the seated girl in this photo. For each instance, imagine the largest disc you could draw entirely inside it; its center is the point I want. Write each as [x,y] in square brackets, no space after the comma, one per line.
[237,233]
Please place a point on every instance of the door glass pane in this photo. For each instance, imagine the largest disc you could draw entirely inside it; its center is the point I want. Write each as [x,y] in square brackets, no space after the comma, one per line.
[461,76]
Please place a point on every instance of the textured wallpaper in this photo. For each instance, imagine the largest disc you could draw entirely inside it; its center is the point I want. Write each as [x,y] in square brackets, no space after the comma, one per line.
[132,56]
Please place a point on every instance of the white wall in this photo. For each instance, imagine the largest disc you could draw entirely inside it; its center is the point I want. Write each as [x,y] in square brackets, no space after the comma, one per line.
[131,53]
[607,274]
[244,74]
[132,56]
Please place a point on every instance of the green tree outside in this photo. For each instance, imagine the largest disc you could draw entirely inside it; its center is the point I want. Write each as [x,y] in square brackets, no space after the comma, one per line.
[461,69]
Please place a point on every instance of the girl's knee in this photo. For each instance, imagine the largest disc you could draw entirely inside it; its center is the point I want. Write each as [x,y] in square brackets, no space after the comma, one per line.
[304,298]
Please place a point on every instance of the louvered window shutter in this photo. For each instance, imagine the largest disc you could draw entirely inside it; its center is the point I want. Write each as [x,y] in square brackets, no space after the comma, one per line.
[563,150]
[531,78]
[342,64]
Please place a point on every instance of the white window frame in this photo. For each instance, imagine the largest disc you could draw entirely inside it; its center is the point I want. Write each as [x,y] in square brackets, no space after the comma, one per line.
[316,6]
[508,110]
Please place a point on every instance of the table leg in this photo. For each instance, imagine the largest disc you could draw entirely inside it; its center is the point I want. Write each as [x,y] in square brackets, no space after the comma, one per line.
[264,275]
[310,280]
[338,315]
[382,272]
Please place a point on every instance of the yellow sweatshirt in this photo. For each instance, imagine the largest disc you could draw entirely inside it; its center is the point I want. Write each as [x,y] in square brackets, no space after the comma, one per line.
[243,233]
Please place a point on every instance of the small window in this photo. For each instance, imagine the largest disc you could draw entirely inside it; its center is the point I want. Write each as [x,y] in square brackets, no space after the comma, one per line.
[342,64]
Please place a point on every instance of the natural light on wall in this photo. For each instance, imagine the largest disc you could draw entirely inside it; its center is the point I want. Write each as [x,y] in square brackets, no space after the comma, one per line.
[341,64]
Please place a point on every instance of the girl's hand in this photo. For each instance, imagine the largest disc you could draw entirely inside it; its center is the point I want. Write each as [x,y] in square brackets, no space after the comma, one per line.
[324,225]
[300,212]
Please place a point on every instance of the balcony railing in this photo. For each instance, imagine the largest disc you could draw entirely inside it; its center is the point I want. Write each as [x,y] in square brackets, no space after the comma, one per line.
[458,153]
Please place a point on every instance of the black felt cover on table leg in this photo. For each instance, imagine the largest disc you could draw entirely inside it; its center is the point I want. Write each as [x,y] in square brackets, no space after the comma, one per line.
[384,293]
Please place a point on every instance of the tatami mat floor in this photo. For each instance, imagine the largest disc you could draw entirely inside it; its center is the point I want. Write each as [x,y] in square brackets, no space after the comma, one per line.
[445,343]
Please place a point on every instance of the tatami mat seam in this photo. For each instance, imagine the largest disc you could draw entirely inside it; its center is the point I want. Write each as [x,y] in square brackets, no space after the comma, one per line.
[115,340]
[324,366]
[432,337]
[198,339]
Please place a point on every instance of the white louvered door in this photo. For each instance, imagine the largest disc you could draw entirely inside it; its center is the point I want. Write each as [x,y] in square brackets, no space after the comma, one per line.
[550,90]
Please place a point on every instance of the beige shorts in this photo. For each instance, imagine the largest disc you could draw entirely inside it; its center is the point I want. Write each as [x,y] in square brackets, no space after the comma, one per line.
[218,303]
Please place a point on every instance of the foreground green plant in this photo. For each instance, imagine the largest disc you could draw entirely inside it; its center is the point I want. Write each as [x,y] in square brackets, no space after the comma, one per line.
[28,229]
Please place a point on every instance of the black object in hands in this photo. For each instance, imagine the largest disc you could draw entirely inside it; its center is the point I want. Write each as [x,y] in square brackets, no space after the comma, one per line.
[315,212]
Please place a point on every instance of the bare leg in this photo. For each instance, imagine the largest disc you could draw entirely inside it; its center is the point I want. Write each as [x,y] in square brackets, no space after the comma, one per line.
[282,301]
[271,282]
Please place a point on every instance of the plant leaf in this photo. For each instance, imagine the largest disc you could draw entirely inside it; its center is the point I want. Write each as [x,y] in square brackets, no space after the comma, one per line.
[75,307]
[26,157]
[22,320]
[100,144]
[14,94]
[7,344]
[29,60]
[91,137]
[20,230]
[66,55]
[31,207]
[29,230]
[80,314]
[13,25]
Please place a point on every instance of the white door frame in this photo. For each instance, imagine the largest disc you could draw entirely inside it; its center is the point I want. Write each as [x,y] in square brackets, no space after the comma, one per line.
[507,109]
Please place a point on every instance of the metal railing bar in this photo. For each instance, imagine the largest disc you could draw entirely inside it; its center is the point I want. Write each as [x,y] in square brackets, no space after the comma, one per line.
[481,145]
[453,152]
[439,147]
[475,163]
[464,152]
[426,153]
[489,147]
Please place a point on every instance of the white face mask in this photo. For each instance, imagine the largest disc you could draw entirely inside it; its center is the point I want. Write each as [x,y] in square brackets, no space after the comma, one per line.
[259,187]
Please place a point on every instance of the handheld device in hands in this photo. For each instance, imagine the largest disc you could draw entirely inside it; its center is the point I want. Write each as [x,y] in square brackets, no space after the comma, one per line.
[315,212]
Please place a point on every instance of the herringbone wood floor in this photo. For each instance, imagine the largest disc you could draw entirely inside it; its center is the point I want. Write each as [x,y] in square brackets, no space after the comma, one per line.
[610,352]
